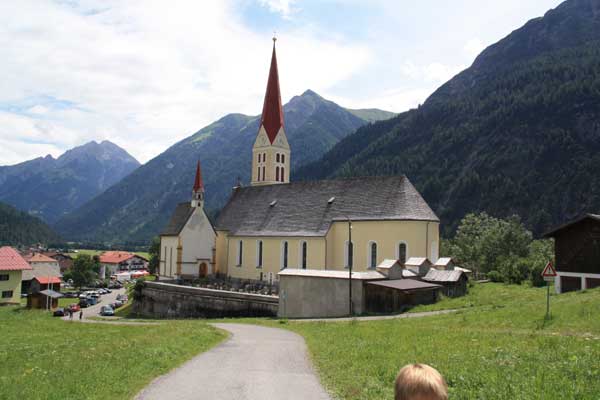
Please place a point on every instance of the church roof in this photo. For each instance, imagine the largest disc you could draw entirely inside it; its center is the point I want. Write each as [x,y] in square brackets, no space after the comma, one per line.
[272,114]
[309,208]
[198,184]
[179,218]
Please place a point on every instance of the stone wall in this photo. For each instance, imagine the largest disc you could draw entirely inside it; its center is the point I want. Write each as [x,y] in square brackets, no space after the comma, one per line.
[165,300]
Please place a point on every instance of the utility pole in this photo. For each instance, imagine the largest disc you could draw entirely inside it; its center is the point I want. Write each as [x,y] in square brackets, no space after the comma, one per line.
[350,261]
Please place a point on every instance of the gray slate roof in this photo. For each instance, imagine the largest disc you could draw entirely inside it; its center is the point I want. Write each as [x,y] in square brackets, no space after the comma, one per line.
[434,275]
[302,208]
[405,284]
[179,218]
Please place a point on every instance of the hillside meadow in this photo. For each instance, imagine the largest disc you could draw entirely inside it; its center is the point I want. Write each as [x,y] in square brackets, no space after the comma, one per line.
[498,346]
[46,358]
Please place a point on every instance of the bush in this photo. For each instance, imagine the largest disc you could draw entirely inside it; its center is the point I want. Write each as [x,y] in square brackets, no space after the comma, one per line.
[535,275]
[495,276]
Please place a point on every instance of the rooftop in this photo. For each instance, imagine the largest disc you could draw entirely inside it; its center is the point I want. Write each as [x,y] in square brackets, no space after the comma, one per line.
[434,275]
[11,260]
[40,258]
[115,257]
[179,218]
[304,209]
[331,274]
[405,284]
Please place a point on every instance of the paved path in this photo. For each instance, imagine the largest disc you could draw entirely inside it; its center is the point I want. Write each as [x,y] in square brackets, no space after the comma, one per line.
[255,363]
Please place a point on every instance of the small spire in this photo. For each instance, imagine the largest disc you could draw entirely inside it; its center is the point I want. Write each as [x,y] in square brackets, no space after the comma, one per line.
[198,185]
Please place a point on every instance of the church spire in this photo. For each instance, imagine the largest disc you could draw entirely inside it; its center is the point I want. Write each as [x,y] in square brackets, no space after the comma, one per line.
[198,190]
[272,114]
[271,150]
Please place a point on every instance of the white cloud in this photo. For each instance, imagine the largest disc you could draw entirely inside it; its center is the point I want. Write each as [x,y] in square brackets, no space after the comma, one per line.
[430,73]
[146,74]
[283,7]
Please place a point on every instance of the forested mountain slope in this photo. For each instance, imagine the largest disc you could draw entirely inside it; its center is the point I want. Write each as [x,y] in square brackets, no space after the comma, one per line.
[19,228]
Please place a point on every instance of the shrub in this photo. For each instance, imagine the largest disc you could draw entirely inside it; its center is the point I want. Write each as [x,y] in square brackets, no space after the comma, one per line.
[495,276]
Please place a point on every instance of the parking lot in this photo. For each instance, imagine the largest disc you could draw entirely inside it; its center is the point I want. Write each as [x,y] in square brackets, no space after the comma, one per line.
[94,311]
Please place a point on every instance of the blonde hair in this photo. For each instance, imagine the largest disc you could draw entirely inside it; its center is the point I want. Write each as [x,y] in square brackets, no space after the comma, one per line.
[420,381]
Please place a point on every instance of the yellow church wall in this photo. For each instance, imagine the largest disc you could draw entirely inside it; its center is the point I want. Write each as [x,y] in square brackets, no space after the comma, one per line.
[221,252]
[421,238]
[272,255]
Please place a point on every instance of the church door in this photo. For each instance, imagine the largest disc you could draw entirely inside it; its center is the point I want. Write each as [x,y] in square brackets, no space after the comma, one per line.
[203,270]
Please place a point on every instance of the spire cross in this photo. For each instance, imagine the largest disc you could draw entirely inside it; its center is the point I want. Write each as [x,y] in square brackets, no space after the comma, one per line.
[274,37]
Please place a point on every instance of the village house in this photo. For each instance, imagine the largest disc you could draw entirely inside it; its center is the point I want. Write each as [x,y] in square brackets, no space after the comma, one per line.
[65,261]
[577,254]
[187,243]
[42,267]
[112,262]
[12,265]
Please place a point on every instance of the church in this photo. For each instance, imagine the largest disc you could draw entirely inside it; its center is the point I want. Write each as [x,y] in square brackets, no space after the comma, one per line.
[274,224]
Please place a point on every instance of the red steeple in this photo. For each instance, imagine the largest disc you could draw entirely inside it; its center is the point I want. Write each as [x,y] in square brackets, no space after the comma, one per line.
[272,115]
[198,185]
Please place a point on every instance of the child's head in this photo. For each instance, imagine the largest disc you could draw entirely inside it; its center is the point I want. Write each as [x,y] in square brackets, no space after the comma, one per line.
[420,382]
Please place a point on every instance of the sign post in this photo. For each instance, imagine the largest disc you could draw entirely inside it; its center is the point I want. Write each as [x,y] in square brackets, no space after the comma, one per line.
[549,273]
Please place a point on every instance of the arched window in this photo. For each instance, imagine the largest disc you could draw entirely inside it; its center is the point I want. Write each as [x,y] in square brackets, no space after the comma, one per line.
[282,174]
[258,177]
[263,173]
[264,157]
[284,255]
[277,174]
[372,261]
[283,158]
[259,253]
[258,157]
[277,157]
[349,254]
[240,255]
[303,254]
[402,252]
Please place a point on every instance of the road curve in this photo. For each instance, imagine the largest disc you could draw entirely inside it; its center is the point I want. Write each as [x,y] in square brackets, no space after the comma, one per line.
[254,363]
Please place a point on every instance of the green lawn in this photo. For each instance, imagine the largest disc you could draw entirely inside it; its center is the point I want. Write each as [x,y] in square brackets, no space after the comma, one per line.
[45,357]
[499,347]
[92,253]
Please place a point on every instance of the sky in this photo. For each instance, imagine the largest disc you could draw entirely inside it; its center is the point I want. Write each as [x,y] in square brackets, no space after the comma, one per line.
[147,74]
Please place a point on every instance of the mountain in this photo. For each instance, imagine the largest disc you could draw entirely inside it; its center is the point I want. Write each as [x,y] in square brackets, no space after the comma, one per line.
[516,133]
[138,207]
[49,188]
[19,228]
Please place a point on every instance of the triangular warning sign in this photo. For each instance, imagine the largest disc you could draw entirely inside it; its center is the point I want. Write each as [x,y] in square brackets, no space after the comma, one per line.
[549,270]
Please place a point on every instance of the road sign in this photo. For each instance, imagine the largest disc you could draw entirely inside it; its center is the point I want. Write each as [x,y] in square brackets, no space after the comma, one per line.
[549,273]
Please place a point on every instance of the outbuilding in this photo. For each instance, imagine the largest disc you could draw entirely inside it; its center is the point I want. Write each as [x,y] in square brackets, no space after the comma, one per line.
[397,295]
[454,282]
[577,253]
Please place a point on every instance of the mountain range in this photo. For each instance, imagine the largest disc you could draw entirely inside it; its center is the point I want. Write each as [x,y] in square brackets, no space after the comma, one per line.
[49,188]
[138,207]
[516,133]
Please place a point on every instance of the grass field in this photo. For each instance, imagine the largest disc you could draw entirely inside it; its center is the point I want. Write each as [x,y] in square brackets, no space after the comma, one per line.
[499,347]
[46,358]
[144,254]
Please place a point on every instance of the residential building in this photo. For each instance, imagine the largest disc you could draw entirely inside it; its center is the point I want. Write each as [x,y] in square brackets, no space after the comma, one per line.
[187,243]
[12,265]
[577,254]
[42,267]
[112,262]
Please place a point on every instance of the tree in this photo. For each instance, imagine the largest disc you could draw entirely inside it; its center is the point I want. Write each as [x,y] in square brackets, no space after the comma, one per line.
[154,252]
[83,270]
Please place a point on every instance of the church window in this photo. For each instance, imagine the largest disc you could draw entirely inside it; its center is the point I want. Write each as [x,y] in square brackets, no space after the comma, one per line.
[258,157]
[258,178]
[284,255]
[372,255]
[303,254]
[282,171]
[240,254]
[277,174]
[283,158]
[264,157]
[402,252]
[259,253]
[263,173]
[277,157]
[349,254]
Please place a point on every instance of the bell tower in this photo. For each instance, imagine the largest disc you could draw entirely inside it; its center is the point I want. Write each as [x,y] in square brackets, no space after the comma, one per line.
[198,190]
[271,150]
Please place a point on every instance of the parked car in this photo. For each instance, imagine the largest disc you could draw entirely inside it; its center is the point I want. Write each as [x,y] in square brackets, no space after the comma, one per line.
[59,312]
[117,304]
[107,311]
[83,303]
[74,307]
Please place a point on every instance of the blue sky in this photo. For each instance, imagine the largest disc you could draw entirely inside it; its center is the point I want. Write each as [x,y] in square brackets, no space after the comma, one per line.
[146,74]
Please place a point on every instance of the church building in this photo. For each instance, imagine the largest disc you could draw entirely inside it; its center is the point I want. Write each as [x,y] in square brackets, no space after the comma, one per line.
[187,243]
[275,224]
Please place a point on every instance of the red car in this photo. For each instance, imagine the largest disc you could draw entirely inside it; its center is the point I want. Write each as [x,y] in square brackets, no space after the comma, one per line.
[74,307]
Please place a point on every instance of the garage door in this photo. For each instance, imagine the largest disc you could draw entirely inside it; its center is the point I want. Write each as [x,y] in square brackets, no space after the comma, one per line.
[592,283]
[569,284]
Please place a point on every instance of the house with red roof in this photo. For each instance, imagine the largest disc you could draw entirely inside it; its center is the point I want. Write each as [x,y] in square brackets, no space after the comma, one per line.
[42,267]
[112,262]
[12,265]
